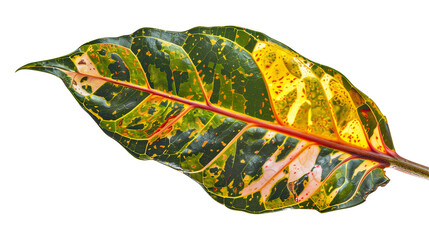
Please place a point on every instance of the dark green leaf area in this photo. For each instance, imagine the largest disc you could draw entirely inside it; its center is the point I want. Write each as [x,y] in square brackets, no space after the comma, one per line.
[225,177]
[374,179]
[202,53]
[177,38]
[179,140]
[280,191]
[241,36]
[155,62]
[288,146]
[212,141]
[179,78]
[112,101]
[118,69]
[229,32]
[347,181]
[157,147]
[102,52]
[256,152]
[229,73]
[245,40]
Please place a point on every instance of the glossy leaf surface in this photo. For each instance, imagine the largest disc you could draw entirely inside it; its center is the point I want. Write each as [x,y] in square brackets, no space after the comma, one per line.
[260,127]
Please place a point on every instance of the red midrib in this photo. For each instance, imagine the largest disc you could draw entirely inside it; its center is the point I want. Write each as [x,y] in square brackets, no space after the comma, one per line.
[359,152]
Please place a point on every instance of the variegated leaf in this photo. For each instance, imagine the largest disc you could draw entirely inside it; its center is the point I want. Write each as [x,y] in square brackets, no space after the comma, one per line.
[260,127]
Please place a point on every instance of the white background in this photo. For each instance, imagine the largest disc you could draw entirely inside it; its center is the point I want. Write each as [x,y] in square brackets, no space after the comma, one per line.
[61,177]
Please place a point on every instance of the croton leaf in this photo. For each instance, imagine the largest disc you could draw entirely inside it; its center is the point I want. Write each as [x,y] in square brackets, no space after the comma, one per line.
[259,126]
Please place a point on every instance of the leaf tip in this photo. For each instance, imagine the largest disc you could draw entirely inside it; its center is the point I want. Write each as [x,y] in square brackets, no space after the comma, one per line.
[48,66]
[26,66]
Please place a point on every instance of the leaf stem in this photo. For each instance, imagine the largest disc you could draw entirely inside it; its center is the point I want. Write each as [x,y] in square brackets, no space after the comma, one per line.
[404,165]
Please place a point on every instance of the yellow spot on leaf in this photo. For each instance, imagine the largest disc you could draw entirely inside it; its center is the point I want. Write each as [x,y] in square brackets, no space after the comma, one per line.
[376,140]
[354,134]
